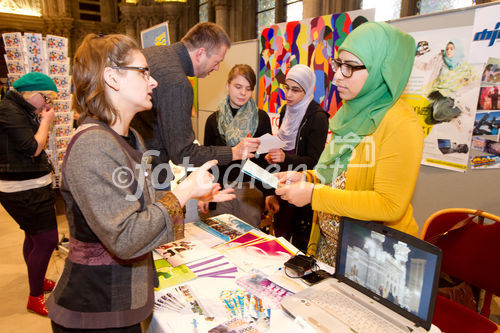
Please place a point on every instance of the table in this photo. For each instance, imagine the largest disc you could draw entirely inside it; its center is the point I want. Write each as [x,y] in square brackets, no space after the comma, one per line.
[207,293]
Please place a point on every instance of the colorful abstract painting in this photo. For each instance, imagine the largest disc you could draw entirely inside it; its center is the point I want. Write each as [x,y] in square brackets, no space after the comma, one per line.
[312,42]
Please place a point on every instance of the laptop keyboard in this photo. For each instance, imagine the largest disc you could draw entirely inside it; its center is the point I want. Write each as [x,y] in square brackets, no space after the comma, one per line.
[359,319]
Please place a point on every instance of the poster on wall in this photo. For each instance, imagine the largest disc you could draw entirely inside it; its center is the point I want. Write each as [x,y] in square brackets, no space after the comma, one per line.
[486,136]
[486,150]
[487,120]
[443,90]
[156,35]
[485,34]
[313,42]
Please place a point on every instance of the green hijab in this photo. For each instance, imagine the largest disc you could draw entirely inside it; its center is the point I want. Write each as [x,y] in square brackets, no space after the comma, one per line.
[388,55]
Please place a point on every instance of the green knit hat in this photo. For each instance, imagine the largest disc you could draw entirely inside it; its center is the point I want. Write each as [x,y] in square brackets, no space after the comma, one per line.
[34,82]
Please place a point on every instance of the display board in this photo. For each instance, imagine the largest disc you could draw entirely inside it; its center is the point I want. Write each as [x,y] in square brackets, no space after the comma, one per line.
[156,35]
[212,89]
[32,52]
[438,188]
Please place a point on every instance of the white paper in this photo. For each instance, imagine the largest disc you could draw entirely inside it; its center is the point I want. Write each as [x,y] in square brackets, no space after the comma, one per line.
[268,142]
[255,171]
[485,35]
[184,251]
[192,231]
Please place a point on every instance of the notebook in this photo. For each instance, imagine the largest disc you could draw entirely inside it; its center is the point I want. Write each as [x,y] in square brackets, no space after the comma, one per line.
[386,279]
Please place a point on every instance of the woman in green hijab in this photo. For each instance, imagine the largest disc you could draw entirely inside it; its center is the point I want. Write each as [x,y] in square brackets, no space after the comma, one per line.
[369,169]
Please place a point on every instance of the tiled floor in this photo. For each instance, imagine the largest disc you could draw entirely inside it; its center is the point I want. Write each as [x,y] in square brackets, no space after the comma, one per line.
[14,318]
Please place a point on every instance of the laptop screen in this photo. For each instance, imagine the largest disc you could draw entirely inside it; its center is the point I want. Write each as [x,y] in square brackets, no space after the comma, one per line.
[394,268]
[444,144]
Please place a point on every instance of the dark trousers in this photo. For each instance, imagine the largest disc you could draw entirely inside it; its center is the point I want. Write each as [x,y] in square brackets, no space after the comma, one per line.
[35,213]
[34,210]
[293,223]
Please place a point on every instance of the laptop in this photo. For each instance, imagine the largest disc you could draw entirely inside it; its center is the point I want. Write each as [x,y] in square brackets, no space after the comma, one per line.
[444,145]
[384,281]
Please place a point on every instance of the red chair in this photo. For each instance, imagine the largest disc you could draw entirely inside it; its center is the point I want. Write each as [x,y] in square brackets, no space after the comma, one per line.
[471,252]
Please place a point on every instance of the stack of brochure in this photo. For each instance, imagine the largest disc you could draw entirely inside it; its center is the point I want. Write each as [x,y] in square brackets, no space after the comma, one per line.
[256,250]
[225,226]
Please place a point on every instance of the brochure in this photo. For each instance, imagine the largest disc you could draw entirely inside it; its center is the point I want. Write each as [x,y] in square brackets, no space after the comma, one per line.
[169,276]
[196,230]
[255,171]
[225,226]
[215,267]
[258,284]
[244,309]
[264,256]
[248,238]
[184,251]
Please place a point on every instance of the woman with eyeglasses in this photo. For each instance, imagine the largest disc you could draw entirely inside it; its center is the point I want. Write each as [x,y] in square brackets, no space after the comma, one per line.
[237,118]
[116,218]
[26,190]
[303,126]
[369,169]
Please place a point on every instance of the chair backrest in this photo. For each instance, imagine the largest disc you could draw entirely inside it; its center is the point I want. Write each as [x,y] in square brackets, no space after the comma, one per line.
[470,253]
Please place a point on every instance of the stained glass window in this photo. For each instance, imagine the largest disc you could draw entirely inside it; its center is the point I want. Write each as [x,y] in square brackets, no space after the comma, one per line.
[265,13]
[293,10]
[263,5]
[384,10]
[203,10]
[431,6]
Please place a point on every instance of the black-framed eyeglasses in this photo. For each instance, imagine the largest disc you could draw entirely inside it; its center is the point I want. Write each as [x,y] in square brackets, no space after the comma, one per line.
[346,69]
[46,98]
[295,90]
[144,70]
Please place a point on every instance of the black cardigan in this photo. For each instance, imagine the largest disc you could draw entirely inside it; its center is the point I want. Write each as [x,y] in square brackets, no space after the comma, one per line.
[18,126]
[311,137]
[214,138]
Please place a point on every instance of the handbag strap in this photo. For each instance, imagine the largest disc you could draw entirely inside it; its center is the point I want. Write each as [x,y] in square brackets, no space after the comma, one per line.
[460,224]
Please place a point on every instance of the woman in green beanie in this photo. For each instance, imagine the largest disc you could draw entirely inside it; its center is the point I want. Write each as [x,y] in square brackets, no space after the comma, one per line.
[25,176]
[369,169]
